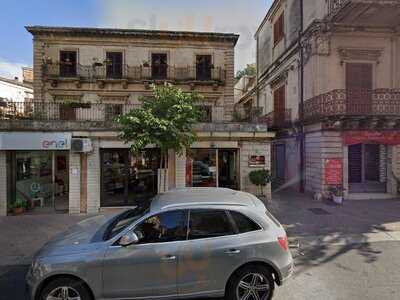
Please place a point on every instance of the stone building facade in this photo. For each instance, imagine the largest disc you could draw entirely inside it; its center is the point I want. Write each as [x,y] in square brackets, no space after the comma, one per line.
[63,153]
[346,54]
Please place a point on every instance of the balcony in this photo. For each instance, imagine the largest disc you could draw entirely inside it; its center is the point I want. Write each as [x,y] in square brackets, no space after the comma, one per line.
[135,73]
[380,103]
[278,119]
[376,13]
[247,114]
[76,115]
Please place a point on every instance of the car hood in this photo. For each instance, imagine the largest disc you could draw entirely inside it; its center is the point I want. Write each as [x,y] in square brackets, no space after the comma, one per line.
[80,237]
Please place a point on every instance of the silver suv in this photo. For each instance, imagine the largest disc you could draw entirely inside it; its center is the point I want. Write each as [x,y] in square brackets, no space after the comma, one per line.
[197,242]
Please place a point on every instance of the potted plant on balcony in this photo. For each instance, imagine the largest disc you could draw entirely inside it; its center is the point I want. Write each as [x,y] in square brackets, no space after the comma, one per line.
[107,62]
[146,64]
[48,60]
[337,193]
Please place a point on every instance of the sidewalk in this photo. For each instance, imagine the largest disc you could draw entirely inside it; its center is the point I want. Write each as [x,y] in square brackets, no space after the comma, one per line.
[356,221]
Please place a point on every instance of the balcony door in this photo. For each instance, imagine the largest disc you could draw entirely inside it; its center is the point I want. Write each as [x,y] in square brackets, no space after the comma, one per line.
[68,61]
[114,65]
[279,105]
[159,66]
[359,87]
[203,67]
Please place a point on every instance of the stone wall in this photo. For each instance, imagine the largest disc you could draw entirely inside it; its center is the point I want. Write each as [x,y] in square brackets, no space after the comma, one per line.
[253,148]
[319,146]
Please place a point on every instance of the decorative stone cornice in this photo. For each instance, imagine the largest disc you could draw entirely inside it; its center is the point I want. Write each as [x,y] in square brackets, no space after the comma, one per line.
[360,54]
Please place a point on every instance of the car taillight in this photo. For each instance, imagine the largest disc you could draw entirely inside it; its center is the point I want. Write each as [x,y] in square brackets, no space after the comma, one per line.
[283,241]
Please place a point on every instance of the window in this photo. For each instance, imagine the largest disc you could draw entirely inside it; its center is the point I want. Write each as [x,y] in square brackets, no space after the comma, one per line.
[279,29]
[68,63]
[243,223]
[208,224]
[165,227]
[203,67]
[206,114]
[125,219]
[112,111]
[159,66]
[114,65]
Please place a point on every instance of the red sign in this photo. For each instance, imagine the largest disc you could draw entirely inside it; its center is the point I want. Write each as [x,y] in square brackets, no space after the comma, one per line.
[363,137]
[334,171]
[256,161]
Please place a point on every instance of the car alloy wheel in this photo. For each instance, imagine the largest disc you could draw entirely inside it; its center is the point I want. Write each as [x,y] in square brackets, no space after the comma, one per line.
[63,293]
[253,286]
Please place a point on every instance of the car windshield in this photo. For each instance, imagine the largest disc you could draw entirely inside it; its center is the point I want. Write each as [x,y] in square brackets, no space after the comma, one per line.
[125,219]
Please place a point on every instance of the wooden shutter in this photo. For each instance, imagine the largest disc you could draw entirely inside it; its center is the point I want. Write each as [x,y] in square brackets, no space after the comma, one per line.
[372,160]
[279,29]
[359,87]
[279,105]
[355,163]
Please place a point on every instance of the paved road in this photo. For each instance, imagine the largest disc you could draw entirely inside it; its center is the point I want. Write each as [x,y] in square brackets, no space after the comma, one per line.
[355,271]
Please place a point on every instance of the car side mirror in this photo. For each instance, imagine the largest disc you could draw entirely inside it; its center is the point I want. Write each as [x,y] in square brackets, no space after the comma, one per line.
[129,238]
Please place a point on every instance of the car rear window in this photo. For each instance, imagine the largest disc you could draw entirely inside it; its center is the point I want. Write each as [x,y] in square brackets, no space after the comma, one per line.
[243,223]
[273,219]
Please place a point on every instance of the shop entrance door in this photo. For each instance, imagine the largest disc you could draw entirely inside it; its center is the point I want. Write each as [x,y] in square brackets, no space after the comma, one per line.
[227,169]
[40,181]
[365,169]
[128,179]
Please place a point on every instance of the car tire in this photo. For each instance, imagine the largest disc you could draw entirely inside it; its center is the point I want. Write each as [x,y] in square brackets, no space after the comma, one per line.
[74,288]
[256,276]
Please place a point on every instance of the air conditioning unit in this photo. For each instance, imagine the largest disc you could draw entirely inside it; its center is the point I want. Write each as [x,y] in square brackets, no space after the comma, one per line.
[81,145]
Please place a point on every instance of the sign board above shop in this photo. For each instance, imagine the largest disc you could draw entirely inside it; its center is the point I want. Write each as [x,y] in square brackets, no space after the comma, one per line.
[365,137]
[35,141]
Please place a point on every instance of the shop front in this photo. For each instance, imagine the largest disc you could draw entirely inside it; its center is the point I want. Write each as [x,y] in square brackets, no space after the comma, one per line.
[37,171]
[369,160]
[128,179]
[212,168]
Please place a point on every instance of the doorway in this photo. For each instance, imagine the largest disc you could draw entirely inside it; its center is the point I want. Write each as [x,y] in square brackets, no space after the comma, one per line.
[227,169]
[40,181]
[279,164]
[128,179]
[365,168]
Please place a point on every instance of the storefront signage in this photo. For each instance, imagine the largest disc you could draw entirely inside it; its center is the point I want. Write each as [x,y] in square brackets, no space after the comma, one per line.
[257,161]
[35,141]
[334,171]
[364,137]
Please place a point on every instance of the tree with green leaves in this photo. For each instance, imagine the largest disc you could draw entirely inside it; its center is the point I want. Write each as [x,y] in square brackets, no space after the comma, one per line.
[250,70]
[165,120]
[260,178]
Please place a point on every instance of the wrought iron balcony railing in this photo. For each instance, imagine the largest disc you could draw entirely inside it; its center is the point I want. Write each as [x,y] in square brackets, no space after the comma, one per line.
[82,112]
[135,73]
[278,119]
[335,5]
[380,102]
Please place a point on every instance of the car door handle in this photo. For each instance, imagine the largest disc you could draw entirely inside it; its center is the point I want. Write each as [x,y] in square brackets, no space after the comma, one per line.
[232,251]
[168,258]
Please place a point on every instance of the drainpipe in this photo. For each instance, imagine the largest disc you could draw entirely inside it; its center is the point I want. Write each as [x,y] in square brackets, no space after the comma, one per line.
[301,107]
